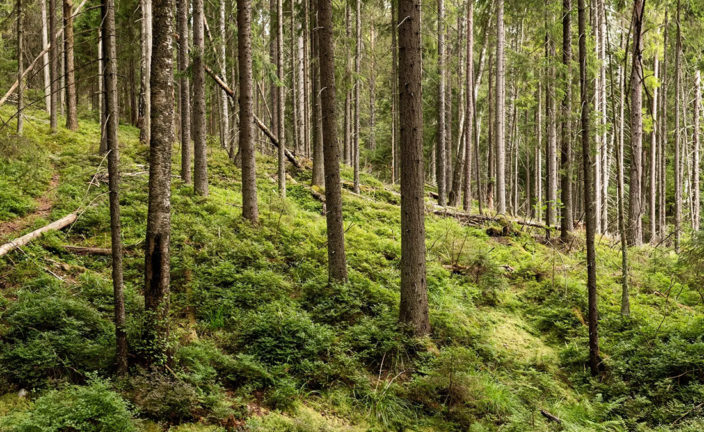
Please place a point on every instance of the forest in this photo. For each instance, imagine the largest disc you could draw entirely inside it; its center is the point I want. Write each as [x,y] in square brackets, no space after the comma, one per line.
[351,215]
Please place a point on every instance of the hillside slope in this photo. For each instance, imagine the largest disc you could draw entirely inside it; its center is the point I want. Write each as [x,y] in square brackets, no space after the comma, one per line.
[261,342]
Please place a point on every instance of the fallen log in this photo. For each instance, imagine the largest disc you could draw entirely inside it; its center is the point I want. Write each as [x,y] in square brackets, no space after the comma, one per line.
[475,219]
[21,241]
[84,250]
[551,417]
[290,156]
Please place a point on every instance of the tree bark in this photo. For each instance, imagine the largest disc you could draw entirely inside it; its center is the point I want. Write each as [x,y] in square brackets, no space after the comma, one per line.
[200,149]
[318,178]
[440,170]
[250,210]
[500,112]
[157,266]
[678,133]
[653,156]
[184,90]
[337,265]
[414,296]
[372,87]
[695,162]
[224,105]
[144,120]
[69,72]
[280,132]
[589,206]
[109,61]
[469,113]
[357,84]
[394,96]
[635,225]
[551,145]
[53,67]
[45,57]
[566,222]
[20,67]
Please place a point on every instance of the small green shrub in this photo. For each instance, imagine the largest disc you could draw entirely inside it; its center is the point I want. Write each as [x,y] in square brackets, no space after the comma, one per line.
[91,408]
[53,335]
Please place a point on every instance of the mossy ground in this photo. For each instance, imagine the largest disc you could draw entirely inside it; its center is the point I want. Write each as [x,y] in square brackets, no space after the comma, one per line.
[261,341]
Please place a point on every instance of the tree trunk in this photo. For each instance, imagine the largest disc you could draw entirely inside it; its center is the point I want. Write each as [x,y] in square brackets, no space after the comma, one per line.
[347,144]
[414,295]
[589,206]
[357,84]
[54,67]
[469,113]
[551,147]
[224,105]
[145,65]
[103,146]
[45,58]
[157,267]
[653,156]
[440,170]
[500,113]
[372,88]
[337,265]
[250,211]
[695,162]
[663,139]
[566,222]
[394,96]
[200,149]
[606,151]
[20,68]
[318,173]
[635,226]
[109,61]
[184,90]
[678,142]
[280,132]
[538,156]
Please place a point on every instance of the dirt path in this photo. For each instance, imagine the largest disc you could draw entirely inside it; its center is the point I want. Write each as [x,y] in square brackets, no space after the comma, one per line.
[11,229]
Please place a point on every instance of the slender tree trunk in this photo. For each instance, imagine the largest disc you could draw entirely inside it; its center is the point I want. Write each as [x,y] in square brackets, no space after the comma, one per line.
[145,65]
[500,112]
[653,157]
[250,211]
[337,265]
[606,151]
[589,206]
[200,149]
[551,147]
[224,104]
[469,113]
[318,157]
[440,162]
[280,132]
[109,61]
[538,186]
[635,228]
[54,67]
[20,68]
[357,84]
[306,78]
[348,97]
[663,137]
[45,57]
[372,88]
[184,90]
[414,295]
[678,142]
[394,96]
[157,267]
[103,146]
[566,223]
[69,72]
[696,164]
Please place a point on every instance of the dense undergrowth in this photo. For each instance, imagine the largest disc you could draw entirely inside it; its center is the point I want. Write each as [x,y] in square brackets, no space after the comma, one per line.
[261,342]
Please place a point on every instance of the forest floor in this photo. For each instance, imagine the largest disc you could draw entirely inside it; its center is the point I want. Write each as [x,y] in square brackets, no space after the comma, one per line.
[261,342]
